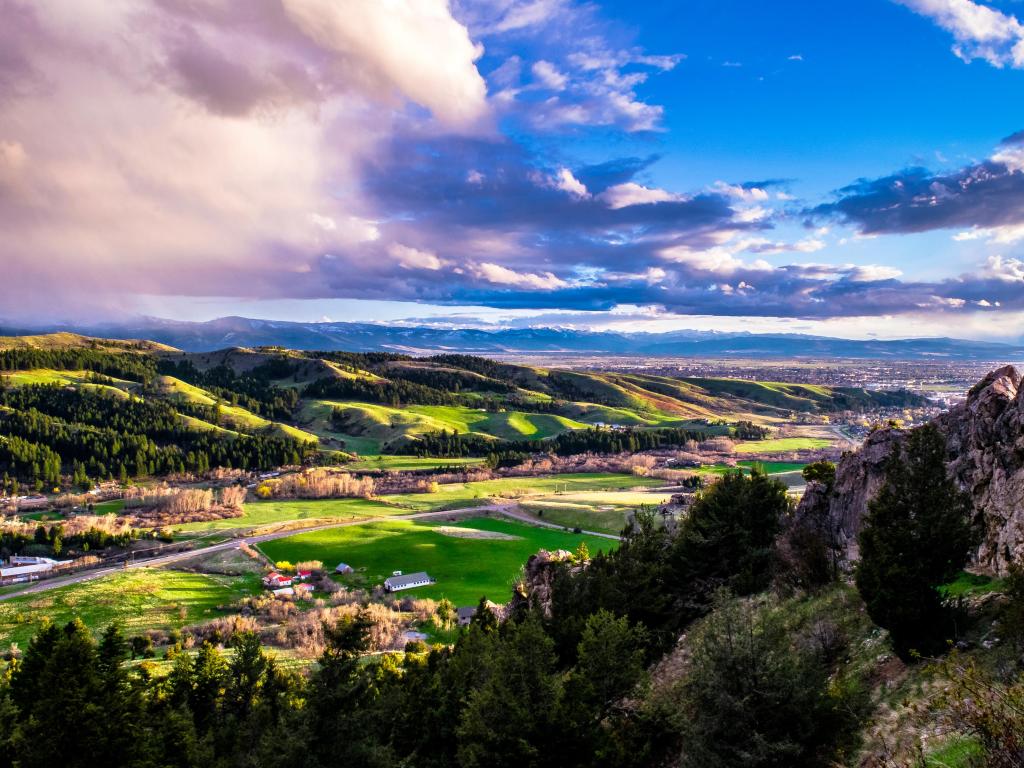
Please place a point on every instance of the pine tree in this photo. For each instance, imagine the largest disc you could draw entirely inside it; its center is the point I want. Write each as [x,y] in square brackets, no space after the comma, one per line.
[916,536]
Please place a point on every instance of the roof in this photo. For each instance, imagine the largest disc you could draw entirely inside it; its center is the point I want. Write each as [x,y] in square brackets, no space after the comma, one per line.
[466,612]
[409,579]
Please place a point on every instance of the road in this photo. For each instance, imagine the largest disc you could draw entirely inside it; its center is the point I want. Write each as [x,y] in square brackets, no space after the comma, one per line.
[176,557]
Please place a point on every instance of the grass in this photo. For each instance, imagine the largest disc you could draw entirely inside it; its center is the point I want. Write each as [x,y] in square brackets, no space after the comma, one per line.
[465,568]
[139,599]
[405,463]
[260,513]
[968,584]
[458,495]
[775,467]
[369,426]
[112,507]
[782,444]
[958,753]
[610,520]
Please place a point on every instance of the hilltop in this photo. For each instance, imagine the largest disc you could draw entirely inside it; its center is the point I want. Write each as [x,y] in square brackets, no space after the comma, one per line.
[256,408]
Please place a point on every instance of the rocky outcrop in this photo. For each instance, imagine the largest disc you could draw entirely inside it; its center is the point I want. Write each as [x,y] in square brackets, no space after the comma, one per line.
[985,440]
[985,444]
[534,590]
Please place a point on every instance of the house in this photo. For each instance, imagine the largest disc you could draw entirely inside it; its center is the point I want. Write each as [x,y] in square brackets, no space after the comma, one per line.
[413,580]
[276,581]
[303,590]
[28,572]
[284,592]
[344,568]
[303,575]
[466,614]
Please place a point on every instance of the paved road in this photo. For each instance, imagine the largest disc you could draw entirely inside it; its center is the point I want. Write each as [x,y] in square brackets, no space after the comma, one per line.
[175,557]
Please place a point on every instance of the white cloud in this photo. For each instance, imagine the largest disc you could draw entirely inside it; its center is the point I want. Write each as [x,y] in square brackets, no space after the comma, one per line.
[1004,235]
[549,76]
[414,46]
[631,193]
[1008,269]
[413,258]
[740,192]
[565,181]
[499,275]
[871,272]
[980,32]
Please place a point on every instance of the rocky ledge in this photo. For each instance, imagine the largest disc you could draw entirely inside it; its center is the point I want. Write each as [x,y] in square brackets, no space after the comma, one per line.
[985,456]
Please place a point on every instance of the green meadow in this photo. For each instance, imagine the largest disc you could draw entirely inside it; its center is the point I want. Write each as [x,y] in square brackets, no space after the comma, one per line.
[782,444]
[483,560]
[139,599]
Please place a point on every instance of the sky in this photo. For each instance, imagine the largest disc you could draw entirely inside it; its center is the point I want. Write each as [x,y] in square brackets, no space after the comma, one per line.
[846,168]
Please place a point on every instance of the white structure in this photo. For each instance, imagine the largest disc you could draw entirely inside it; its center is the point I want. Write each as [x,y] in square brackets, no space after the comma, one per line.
[413,580]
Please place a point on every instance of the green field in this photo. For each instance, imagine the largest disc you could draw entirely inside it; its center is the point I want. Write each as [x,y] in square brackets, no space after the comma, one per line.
[259,513]
[458,495]
[140,599]
[400,463]
[782,444]
[367,427]
[775,467]
[465,568]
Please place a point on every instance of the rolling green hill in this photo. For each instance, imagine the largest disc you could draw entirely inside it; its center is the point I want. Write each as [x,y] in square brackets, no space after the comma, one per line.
[373,403]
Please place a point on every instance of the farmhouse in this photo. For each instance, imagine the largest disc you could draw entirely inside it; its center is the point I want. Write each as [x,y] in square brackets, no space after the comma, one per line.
[411,581]
[276,581]
[343,568]
[466,614]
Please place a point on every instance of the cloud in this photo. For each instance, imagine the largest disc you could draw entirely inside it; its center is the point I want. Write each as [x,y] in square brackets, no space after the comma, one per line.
[226,155]
[414,47]
[414,258]
[980,32]
[986,197]
[547,75]
[631,193]
[499,275]
[565,181]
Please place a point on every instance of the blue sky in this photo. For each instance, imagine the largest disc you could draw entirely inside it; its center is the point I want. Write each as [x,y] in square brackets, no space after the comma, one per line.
[848,168]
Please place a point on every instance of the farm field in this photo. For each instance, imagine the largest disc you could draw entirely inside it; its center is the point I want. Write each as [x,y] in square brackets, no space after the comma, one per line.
[398,463]
[780,444]
[465,567]
[775,467]
[601,511]
[468,494]
[260,513]
[140,599]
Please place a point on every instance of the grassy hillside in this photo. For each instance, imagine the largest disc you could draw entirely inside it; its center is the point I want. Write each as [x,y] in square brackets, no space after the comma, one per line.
[374,403]
[76,341]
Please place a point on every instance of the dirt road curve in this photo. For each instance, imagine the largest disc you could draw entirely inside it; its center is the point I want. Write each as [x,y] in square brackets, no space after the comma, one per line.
[151,562]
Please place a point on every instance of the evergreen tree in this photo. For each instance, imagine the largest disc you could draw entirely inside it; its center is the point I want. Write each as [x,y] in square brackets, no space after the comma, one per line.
[916,536]
[728,537]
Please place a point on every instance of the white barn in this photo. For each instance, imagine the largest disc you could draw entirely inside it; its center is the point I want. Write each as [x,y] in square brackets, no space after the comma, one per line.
[410,581]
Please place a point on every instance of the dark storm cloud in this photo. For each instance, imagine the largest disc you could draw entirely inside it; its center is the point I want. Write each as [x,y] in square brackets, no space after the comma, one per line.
[984,195]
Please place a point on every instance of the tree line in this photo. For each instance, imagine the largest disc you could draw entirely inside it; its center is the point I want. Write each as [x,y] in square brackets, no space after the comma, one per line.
[53,430]
[445,444]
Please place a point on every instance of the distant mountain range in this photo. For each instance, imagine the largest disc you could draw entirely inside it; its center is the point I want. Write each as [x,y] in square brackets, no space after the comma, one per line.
[369,337]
